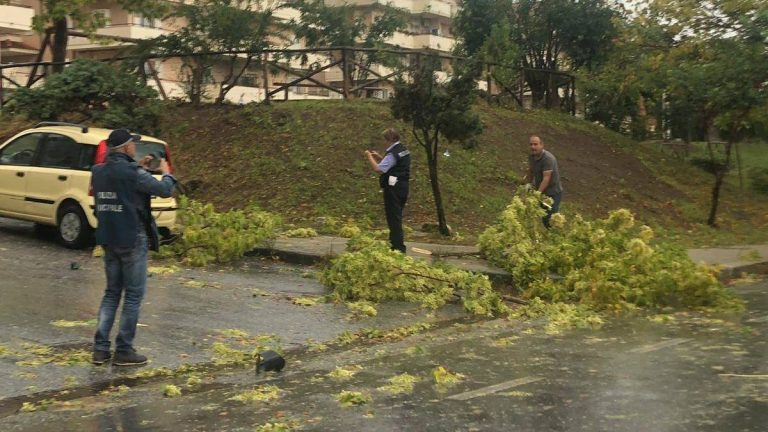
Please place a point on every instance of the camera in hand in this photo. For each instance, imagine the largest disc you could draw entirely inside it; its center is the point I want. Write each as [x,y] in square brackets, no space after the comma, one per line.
[154,163]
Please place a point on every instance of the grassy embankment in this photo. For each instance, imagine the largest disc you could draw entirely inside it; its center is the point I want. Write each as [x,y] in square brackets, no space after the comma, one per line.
[304,160]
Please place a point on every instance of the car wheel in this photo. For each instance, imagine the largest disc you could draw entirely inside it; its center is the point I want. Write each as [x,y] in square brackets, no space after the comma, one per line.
[73,229]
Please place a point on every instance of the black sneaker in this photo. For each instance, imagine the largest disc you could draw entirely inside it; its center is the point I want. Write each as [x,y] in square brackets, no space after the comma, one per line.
[100,357]
[128,358]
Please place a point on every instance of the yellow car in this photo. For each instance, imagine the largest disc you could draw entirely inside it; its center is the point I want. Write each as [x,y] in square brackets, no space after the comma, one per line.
[45,177]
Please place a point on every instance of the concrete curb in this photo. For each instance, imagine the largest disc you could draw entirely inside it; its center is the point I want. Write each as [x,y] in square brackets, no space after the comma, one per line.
[321,249]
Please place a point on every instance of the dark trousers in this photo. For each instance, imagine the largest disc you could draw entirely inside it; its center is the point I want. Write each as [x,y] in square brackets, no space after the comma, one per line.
[555,208]
[394,202]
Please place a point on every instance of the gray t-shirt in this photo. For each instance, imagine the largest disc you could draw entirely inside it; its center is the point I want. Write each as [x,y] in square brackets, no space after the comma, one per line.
[547,162]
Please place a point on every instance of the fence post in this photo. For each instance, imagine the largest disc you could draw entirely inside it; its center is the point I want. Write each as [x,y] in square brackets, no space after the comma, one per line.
[522,87]
[265,71]
[573,96]
[549,96]
[488,80]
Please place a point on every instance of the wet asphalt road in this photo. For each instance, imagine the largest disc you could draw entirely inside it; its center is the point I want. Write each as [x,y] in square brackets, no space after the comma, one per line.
[691,373]
[179,319]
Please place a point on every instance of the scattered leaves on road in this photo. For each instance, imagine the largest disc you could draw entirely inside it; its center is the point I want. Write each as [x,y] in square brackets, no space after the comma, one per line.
[264,393]
[36,355]
[171,391]
[400,384]
[344,373]
[305,301]
[163,270]
[362,308]
[115,391]
[68,324]
[352,398]
[445,378]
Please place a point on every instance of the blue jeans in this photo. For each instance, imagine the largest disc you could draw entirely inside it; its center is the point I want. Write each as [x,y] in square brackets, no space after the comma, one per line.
[126,270]
[555,208]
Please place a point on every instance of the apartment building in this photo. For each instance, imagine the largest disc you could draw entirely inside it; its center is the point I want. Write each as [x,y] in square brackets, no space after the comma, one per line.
[429,27]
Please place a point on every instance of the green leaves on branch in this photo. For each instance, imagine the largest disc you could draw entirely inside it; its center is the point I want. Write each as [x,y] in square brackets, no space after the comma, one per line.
[607,264]
[212,237]
[94,90]
[371,271]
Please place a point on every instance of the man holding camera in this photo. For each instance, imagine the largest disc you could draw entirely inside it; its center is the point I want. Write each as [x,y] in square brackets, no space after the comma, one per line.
[122,191]
[394,171]
[545,176]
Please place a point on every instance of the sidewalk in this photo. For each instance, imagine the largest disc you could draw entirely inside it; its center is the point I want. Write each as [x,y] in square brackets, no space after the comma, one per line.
[312,250]
[733,260]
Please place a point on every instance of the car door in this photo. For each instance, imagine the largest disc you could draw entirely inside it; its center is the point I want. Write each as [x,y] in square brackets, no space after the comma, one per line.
[16,158]
[48,181]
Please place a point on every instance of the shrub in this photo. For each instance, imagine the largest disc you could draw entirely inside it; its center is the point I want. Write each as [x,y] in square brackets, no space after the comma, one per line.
[96,91]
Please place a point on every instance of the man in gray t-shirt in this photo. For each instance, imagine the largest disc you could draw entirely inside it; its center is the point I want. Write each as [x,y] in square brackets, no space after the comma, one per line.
[544,175]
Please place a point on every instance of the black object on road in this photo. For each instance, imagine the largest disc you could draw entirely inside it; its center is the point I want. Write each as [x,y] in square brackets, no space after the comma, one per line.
[74,266]
[269,361]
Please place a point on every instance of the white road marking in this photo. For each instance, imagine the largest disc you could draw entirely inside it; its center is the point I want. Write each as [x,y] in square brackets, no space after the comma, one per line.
[494,388]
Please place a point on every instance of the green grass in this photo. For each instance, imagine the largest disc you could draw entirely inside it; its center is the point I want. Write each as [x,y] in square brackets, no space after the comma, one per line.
[304,160]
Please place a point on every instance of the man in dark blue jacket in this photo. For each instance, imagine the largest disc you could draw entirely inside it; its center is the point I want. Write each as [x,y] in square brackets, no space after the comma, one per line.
[394,171]
[122,190]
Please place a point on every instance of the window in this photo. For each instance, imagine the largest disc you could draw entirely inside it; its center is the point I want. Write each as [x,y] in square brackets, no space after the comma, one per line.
[87,157]
[143,21]
[21,151]
[106,13]
[59,152]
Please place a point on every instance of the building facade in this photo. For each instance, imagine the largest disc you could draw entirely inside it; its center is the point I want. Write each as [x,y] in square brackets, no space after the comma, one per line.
[428,27]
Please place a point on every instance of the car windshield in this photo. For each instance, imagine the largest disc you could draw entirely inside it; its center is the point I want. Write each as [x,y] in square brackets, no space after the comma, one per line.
[144,148]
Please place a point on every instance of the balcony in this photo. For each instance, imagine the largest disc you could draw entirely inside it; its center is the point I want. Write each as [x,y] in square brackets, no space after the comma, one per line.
[286,14]
[433,42]
[16,19]
[432,7]
[131,31]
[403,40]
[122,33]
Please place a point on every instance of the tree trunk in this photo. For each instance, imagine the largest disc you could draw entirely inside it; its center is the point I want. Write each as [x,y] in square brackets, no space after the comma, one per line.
[196,92]
[719,178]
[60,40]
[433,180]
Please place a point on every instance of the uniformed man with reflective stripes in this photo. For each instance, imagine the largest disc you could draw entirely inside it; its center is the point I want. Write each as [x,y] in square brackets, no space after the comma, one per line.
[394,172]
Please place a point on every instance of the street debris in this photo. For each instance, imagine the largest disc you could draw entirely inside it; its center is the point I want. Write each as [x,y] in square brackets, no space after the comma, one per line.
[171,391]
[163,270]
[266,393]
[68,324]
[352,398]
[344,373]
[400,384]
[445,378]
[370,271]
[306,301]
